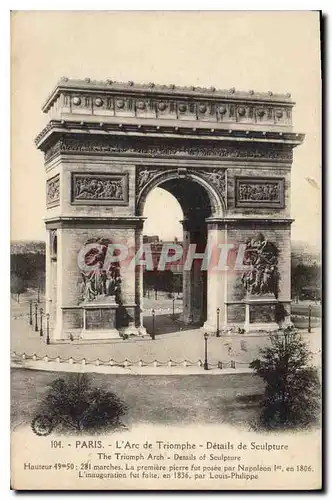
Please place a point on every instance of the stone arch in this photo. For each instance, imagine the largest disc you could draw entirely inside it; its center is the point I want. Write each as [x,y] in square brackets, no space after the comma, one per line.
[216,198]
[54,245]
[200,193]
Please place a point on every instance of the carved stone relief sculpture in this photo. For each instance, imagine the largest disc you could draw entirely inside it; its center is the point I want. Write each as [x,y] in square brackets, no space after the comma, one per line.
[168,148]
[261,192]
[100,282]
[102,188]
[53,191]
[261,257]
[215,176]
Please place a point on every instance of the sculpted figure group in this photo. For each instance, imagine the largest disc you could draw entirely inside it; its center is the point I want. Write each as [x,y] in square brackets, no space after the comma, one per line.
[100,281]
[258,192]
[262,258]
[98,189]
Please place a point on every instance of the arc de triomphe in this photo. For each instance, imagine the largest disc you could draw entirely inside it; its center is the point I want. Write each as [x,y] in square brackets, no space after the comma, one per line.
[225,155]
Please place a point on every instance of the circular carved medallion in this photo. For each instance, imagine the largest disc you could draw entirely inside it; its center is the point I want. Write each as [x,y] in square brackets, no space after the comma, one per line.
[120,103]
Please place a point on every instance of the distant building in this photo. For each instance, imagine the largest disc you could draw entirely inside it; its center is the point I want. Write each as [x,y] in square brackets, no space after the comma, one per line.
[156,246]
[150,239]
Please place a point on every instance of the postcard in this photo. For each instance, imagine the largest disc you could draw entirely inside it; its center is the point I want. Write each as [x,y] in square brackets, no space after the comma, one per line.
[166,250]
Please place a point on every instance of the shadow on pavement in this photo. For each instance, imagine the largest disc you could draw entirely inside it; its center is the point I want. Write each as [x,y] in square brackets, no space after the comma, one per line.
[165,324]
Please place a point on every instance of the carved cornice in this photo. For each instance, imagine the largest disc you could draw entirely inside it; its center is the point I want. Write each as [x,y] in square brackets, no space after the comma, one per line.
[170,148]
[73,99]
[95,222]
[152,89]
[182,131]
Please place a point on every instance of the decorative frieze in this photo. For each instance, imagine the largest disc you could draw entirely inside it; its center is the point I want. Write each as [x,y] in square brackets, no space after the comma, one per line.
[177,109]
[53,191]
[259,192]
[169,148]
[103,189]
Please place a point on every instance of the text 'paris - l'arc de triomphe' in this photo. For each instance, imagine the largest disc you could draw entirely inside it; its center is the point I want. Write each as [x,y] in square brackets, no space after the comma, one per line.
[225,155]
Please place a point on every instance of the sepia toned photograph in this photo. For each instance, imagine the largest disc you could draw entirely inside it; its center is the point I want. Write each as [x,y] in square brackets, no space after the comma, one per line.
[165,254]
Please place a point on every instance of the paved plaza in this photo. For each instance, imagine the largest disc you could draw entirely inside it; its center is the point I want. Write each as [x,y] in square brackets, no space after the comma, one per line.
[173,342]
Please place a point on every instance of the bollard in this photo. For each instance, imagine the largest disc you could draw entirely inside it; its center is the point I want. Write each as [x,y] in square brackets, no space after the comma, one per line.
[41,322]
[206,366]
[36,317]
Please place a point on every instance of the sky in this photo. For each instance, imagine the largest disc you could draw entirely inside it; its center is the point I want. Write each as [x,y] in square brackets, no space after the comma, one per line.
[276,51]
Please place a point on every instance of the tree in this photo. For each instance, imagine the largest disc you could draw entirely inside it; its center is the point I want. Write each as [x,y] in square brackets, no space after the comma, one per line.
[304,276]
[292,388]
[79,407]
[17,285]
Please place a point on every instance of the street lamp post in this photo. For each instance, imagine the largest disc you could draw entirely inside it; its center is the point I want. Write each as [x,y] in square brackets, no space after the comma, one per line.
[173,307]
[206,366]
[36,317]
[41,322]
[218,330]
[47,328]
[30,312]
[309,320]
[153,324]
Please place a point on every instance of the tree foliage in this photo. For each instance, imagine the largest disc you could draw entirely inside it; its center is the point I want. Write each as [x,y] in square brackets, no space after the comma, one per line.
[79,407]
[292,388]
[304,276]
[17,285]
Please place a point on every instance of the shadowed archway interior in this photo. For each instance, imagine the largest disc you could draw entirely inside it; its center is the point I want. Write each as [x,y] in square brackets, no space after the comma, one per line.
[196,208]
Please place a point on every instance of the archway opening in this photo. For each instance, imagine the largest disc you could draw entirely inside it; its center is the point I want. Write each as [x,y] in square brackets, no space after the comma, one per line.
[175,298]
